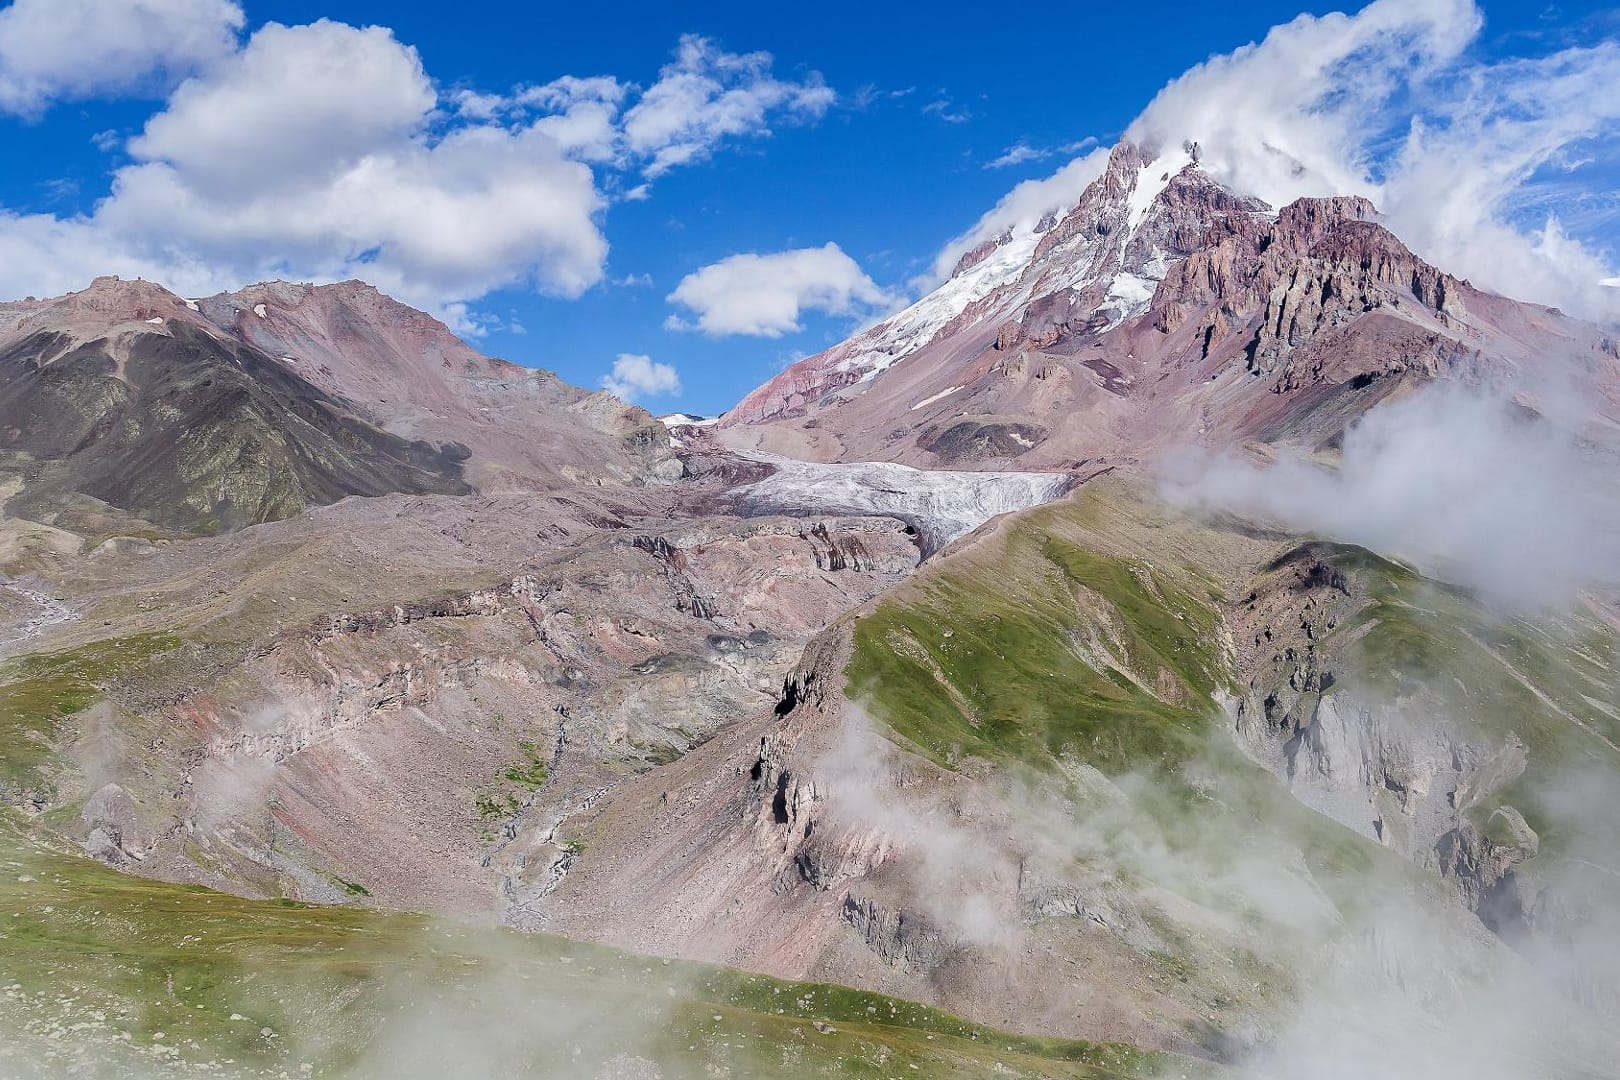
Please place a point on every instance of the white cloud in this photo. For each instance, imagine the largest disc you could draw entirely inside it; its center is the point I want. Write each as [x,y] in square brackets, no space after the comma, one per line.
[1019,153]
[298,105]
[1464,484]
[1016,154]
[323,151]
[706,96]
[947,112]
[1612,283]
[1387,103]
[583,114]
[1288,116]
[764,295]
[60,50]
[636,376]
[309,155]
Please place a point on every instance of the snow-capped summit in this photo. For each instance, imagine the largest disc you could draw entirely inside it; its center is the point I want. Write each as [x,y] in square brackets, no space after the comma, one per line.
[1091,246]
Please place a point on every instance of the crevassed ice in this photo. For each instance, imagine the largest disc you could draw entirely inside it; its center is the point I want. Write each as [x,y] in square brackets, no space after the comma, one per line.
[944,504]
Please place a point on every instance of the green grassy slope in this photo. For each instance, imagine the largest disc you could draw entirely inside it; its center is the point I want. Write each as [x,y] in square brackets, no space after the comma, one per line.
[39,691]
[143,977]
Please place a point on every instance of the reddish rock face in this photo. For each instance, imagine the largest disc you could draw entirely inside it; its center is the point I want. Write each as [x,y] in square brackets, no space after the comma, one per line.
[1161,308]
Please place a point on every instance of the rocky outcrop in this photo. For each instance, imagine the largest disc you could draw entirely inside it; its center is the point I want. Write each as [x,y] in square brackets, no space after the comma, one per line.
[1397,770]
[900,937]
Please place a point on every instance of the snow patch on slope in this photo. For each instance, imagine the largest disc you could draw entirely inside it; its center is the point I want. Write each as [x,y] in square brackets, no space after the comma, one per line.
[930,399]
[942,504]
[918,324]
[1151,180]
[1131,294]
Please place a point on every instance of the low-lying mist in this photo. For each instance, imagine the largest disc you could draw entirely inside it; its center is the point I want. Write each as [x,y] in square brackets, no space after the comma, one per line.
[1465,484]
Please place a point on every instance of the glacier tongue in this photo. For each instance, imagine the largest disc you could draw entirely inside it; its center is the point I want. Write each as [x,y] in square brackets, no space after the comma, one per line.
[943,505]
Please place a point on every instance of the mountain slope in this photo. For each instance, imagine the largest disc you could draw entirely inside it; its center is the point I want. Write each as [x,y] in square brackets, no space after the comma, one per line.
[111,976]
[410,375]
[1161,309]
[135,404]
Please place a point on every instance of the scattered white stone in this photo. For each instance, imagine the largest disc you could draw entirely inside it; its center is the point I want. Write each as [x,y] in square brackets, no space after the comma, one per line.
[260,310]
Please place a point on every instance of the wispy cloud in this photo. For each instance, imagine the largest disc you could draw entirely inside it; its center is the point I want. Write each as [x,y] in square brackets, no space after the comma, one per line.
[947,111]
[1021,152]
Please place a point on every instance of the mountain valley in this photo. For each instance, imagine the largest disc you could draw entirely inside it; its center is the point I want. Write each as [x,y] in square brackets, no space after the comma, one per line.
[910,719]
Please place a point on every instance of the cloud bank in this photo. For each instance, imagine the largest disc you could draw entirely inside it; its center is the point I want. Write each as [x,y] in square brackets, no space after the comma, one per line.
[1467,486]
[1463,156]
[1391,104]
[326,151]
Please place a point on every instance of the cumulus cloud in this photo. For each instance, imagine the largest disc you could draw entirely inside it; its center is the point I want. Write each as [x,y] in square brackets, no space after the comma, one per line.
[64,50]
[765,295]
[323,151]
[1466,485]
[299,105]
[1388,103]
[309,155]
[636,376]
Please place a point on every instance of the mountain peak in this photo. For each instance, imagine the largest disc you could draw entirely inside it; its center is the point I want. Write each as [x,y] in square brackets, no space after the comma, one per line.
[1161,306]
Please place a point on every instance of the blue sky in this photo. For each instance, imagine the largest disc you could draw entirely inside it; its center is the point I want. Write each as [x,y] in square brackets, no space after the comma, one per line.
[877,131]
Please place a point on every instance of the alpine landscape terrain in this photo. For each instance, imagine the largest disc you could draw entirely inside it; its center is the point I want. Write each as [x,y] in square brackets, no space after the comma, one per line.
[1178,640]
